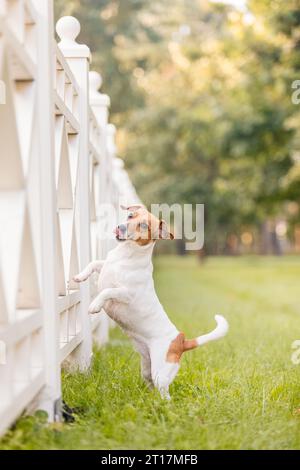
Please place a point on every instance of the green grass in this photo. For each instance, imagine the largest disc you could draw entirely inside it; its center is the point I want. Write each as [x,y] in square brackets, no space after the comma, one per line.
[238,393]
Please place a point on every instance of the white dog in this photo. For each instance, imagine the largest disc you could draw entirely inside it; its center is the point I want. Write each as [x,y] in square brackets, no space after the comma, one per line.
[128,296]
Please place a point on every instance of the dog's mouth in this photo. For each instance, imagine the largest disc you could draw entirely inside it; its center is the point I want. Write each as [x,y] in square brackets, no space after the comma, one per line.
[120,236]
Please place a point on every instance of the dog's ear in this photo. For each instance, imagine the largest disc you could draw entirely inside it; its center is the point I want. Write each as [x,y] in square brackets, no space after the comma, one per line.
[135,207]
[164,232]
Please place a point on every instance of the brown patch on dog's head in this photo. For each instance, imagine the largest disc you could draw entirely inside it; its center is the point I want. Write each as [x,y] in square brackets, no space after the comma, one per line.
[142,227]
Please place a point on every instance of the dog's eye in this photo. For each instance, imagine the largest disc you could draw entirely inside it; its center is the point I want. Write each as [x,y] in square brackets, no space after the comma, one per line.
[144,226]
[130,215]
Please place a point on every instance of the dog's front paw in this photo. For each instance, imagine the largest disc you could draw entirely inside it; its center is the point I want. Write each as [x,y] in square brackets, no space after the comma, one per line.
[80,277]
[96,306]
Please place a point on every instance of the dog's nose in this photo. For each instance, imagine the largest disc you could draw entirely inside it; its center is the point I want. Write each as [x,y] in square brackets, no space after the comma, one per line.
[122,228]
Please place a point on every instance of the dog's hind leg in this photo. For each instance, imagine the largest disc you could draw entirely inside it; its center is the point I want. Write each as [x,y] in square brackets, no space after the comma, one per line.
[163,371]
[95,266]
[146,368]
[143,350]
[164,377]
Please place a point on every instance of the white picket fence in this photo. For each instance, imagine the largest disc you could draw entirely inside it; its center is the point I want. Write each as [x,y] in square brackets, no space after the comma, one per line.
[58,165]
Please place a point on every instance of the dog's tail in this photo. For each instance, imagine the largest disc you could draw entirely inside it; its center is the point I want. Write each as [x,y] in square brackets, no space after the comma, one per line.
[220,331]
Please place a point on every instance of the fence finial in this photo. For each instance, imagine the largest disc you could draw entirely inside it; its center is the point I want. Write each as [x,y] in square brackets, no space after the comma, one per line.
[111,139]
[118,163]
[68,29]
[95,82]
[111,129]
[96,97]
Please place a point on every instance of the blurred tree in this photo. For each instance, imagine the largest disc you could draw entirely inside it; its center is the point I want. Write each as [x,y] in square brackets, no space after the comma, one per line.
[109,28]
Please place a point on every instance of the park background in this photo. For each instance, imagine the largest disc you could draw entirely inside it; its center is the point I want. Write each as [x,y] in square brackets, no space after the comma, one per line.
[201,96]
[202,99]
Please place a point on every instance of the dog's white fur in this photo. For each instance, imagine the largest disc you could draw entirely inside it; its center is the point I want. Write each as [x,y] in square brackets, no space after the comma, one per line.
[127,294]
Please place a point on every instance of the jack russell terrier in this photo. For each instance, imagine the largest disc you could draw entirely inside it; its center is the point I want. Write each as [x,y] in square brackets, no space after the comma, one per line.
[127,294]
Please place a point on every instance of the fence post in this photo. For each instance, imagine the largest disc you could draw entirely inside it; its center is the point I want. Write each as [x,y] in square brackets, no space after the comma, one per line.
[111,151]
[49,398]
[78,58]
[100,104]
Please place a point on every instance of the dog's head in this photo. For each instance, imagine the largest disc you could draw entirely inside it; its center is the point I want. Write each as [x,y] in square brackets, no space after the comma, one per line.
[142,227]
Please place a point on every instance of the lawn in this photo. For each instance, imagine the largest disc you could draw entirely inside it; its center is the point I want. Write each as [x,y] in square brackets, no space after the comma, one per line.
[242,392]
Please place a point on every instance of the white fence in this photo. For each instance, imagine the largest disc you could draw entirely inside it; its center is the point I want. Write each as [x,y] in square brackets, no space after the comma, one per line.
[57,166]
